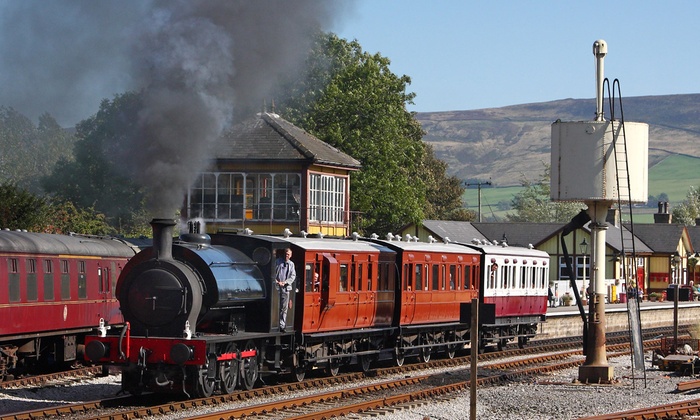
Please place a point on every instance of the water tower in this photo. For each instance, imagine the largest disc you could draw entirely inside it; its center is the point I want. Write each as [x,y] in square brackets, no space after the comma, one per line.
[599,162]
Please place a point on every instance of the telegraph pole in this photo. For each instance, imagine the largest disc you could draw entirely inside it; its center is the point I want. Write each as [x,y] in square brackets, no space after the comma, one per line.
[478,186]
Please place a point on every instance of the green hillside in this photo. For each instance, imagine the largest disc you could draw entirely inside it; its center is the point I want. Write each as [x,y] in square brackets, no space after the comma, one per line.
[672,176]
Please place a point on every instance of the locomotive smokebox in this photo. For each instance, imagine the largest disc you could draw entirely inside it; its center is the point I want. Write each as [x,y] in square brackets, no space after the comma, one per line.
[162,238]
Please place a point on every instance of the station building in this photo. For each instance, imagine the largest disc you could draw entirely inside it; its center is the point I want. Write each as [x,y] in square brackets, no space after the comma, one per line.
[268,175]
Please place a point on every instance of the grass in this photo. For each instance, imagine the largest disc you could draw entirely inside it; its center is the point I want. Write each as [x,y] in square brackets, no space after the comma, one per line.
[672,176]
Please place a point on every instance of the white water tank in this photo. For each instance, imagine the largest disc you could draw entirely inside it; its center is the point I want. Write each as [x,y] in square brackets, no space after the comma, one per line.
[584,163]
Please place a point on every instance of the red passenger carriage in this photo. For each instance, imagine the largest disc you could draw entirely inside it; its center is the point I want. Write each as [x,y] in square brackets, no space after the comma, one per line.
[53,290]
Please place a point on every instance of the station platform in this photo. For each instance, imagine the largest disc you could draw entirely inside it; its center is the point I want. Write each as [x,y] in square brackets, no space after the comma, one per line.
[565,321]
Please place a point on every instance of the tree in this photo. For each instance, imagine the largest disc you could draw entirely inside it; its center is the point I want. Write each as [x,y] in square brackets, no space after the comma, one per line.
[533,203]
[28,152]
[688,211]
[351,100]
[20,209]
[94,179]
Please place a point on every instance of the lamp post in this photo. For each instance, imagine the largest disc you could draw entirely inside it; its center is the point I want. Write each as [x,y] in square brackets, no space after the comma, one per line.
[583,247]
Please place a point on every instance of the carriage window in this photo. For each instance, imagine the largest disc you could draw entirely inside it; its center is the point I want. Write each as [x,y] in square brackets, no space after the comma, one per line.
[13,274]
[370,276]
[32,291]
[436,277]
[444,277]
[453,275]
[48,280]
[418,270]
[353,277]
[343,277]
[308,277]
[467,277]
[65,280]
[513,279]
[384,277]
[523,277]
[494,275]
[504,277]
[359,276]
[408,280]
[82,281]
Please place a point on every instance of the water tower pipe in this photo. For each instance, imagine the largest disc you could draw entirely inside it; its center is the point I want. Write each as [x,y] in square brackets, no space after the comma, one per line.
[600,49]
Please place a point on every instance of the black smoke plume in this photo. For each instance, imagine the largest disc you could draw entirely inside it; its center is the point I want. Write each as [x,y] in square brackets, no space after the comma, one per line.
[196,63]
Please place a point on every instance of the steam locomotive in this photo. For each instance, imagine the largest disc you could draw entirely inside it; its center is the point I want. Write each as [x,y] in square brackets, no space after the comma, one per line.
[54,289]
[202,314]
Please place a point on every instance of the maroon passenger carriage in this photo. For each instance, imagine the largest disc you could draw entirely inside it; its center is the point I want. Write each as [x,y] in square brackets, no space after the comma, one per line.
[53,290]
[513,293]
[436,278]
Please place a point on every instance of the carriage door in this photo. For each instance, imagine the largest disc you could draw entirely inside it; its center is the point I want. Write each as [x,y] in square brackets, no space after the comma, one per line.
[408,295]
[312,296]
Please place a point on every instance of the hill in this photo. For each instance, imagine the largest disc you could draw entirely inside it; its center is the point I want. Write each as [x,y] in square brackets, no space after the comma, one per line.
[507,144]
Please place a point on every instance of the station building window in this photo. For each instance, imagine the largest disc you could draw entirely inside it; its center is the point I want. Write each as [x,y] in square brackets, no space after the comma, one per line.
[327,198]
[243,195]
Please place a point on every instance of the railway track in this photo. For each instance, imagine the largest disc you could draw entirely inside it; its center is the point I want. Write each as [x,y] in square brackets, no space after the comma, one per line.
[379,395]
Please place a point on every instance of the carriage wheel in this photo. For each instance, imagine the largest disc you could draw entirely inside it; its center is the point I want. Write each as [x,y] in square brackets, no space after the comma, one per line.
[249,368]
[228,373]
[425,354]
[299,373]
[333,367]
[205,385]
[365,361]
[451,350]
[399,358]
[522,342]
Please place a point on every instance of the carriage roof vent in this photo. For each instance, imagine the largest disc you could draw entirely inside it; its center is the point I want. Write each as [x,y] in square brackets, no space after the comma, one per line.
[389,236]
[446,240]
[374,236]
[304,233]
[355,236]
[248,231]
[287,233]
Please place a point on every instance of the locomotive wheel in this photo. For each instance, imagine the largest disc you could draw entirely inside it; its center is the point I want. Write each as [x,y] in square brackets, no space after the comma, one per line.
[205,386]
[249,367]
[228,375]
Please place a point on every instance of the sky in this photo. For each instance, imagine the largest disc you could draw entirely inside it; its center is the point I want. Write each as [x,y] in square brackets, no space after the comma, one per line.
[65,56]
[465,55]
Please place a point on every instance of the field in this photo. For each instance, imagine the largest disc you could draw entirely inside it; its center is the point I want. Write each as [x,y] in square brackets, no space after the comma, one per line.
[672,176]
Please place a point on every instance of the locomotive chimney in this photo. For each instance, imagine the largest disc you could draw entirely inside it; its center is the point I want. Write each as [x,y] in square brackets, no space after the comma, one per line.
[162,238]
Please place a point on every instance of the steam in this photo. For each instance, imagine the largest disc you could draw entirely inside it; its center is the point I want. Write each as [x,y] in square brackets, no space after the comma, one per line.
[196,63]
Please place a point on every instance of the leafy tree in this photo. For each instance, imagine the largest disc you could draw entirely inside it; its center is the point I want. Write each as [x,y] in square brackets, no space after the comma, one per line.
[20,209]
[689,210]
[94,179]
[351,100]
[28,152]
[533,203]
